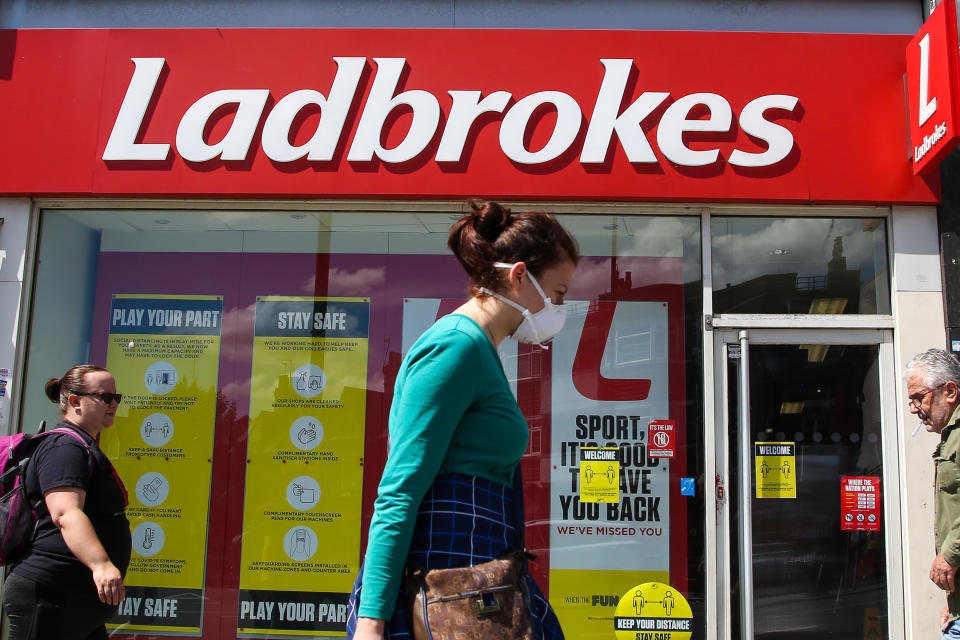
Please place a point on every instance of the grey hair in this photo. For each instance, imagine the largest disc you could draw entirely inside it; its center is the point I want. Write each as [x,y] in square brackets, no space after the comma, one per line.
[938,367]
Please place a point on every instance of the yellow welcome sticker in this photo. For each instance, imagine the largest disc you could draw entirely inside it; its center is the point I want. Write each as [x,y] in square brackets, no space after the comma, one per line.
[653,611]
[600,474]
[776,469]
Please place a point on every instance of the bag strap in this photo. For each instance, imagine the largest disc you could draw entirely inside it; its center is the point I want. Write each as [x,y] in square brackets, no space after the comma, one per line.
[519,519]
[91,464]
[39,505]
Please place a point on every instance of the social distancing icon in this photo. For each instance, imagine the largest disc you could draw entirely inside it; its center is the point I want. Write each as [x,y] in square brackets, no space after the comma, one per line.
[156,429]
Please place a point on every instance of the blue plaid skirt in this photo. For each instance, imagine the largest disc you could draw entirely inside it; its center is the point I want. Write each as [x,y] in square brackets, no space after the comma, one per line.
[463,521]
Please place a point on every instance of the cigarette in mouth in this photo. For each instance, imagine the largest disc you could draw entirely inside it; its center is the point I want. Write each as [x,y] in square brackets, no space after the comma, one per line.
[917,428]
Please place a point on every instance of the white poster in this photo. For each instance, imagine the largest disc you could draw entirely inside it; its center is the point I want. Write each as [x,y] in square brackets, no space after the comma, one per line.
[610,379]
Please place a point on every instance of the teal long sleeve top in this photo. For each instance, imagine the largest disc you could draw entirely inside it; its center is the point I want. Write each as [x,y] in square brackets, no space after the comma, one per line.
[452,412]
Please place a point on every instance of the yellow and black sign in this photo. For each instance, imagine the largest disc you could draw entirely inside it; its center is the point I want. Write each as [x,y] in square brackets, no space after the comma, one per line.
[653,611]
[776,469]
[600,474]
[164,352]
[304,476]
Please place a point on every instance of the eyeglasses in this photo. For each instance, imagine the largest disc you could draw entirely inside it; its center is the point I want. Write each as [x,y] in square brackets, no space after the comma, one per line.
[915,402]
[107,397]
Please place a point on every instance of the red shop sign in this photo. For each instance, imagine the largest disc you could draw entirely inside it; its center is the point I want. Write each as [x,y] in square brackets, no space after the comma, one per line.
[933,71]
[860,503]
[661,439]
[622,115]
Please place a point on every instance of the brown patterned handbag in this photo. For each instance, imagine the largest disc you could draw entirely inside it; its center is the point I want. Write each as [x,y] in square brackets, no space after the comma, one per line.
[487,600]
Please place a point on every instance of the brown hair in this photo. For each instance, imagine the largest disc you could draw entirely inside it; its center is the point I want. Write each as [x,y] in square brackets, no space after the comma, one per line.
[58,389]
[493,233]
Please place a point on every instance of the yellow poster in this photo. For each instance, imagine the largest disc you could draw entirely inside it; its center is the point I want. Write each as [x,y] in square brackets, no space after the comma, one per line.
[164,352]
[653,611]
[776,469]
[600,474]
[585,600]
[302,495]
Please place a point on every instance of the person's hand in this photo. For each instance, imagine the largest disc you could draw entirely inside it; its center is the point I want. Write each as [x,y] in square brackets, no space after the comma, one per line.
[370,629]
[942,574]
[109,583]
[944,616]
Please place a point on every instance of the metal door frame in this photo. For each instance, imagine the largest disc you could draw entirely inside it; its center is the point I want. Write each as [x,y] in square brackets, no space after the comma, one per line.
[718,573]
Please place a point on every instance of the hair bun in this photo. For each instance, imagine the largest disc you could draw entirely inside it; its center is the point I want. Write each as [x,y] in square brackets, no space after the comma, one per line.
[52,389]
[489,219]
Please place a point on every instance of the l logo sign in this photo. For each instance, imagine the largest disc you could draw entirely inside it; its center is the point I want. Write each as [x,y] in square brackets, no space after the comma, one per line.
[933,69]
[927,107]
[586,366]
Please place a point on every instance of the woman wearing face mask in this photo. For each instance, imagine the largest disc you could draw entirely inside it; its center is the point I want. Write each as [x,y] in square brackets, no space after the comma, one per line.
[446,498]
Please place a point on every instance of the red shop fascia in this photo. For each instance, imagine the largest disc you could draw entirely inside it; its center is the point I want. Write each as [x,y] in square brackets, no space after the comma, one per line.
[651,116]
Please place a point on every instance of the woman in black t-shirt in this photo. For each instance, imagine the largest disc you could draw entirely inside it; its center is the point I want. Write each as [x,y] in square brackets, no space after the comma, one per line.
[71,581]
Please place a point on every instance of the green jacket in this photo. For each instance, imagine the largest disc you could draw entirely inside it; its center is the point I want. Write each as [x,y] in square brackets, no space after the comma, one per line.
[947,501]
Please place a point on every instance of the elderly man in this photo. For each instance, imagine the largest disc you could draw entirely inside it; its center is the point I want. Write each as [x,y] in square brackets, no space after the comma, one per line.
[933,389]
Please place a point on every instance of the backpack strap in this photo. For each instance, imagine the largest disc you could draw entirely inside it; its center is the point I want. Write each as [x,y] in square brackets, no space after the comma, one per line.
[91,463]
[39,505]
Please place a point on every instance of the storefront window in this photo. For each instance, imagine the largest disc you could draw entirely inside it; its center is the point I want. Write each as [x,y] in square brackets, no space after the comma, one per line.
[800,265]
[258,351]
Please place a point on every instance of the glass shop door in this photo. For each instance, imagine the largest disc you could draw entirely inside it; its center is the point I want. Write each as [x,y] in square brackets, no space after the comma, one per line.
[806,485]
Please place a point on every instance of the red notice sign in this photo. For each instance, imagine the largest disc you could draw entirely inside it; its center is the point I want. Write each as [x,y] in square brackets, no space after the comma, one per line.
[860,503]
[933,70]
[661,439]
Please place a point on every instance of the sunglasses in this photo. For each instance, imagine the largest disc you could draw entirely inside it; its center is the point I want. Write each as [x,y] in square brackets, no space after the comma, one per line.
[108,398]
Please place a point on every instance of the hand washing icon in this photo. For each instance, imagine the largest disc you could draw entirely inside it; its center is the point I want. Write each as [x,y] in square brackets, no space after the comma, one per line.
[306,432]
[306,436]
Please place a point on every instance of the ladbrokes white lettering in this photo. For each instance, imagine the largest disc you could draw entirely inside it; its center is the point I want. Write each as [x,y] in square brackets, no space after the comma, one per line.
[607,121]
[929,142]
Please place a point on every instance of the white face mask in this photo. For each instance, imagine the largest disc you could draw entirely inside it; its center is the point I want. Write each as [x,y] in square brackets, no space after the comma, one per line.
[539,327]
